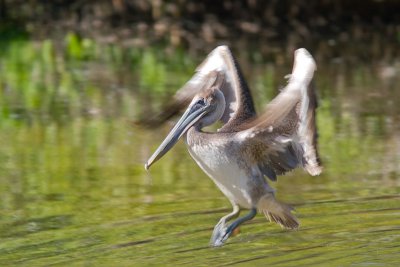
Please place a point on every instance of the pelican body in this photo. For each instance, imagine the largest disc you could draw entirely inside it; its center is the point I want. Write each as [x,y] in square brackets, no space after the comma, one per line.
[247,149]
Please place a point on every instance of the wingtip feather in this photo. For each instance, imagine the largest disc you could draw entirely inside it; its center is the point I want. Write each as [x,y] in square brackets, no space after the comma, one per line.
[304,66]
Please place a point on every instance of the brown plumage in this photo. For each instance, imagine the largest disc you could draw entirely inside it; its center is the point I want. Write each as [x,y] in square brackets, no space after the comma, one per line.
[246,149]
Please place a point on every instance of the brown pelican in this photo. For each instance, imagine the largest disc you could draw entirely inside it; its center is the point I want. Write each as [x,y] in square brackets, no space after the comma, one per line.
[246,149]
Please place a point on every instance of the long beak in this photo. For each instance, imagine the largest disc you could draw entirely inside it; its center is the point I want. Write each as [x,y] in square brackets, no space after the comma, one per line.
[190,117]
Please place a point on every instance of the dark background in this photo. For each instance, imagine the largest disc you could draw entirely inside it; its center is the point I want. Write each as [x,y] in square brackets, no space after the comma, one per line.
[196,24]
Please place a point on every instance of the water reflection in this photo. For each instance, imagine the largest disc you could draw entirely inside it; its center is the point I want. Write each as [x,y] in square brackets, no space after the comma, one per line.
[73,188]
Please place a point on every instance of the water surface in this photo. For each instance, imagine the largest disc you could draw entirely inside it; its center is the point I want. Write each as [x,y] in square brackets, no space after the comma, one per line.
[73,190]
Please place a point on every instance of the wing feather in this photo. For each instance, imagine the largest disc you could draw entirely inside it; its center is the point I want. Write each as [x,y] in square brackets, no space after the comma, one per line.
[239,103]
[285,134]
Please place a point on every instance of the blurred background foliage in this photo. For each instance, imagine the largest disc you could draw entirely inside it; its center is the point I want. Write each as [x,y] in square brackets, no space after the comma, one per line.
[198,25]
[48,47]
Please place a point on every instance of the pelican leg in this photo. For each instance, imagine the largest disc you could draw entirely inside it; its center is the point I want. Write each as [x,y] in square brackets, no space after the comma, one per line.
[220,228]
[228,231]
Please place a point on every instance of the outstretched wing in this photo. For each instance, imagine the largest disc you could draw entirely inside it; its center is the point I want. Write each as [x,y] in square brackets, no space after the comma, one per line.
[285,136]
[220,62]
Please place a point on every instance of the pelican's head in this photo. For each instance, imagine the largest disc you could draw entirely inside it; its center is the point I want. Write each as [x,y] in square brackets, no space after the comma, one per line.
[207,107]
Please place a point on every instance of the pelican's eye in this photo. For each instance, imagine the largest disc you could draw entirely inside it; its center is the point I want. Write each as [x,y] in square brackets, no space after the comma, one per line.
[201,102]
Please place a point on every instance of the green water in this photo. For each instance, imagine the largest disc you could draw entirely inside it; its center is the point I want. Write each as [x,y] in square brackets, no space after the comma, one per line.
[73,190]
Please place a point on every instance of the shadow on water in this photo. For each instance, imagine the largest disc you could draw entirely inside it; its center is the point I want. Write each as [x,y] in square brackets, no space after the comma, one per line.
[73,189]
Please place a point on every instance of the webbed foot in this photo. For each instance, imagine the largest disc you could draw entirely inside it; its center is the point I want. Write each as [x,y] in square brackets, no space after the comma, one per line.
[219,235]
